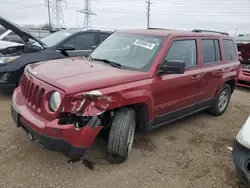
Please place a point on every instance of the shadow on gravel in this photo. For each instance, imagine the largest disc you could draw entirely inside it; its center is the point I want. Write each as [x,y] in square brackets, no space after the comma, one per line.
[244,89]
[5,93]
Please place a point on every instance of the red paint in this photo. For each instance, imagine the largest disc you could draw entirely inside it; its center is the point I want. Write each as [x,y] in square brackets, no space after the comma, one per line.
[82,138]
[161,94]
[245,76]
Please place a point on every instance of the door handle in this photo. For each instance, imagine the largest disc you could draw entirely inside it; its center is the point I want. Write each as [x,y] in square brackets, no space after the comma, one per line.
[220,71]
[195,77]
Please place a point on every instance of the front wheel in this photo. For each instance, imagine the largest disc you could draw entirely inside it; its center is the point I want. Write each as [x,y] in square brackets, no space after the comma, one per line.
[222,100]
[121,135]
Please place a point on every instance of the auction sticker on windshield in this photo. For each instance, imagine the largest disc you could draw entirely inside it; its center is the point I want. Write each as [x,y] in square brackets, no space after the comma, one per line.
[144,44]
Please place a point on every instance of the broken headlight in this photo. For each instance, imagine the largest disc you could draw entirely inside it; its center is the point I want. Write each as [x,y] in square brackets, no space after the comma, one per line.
[7,59]
[243,136]
[54,101]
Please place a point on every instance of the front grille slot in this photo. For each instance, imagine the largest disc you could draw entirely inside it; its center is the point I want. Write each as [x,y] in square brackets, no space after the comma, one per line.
[247,73]
[243,82]
[32,93]
[40,99]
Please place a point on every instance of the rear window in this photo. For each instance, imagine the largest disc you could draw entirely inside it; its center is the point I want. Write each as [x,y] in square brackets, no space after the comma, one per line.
[211,50]
[229,51]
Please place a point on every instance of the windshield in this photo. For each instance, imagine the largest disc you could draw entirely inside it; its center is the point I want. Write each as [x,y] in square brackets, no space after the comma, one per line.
[131,51]
[55,38]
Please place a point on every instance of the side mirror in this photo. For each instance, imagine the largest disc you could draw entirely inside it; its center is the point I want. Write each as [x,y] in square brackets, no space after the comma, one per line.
[93,47]
[67,47]
[172,67]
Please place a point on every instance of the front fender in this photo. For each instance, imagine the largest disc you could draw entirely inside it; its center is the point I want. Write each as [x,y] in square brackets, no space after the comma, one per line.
[133,97]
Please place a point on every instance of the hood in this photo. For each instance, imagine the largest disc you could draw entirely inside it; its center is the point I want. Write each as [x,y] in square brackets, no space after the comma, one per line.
[25,35]
[78,75]
[6,44]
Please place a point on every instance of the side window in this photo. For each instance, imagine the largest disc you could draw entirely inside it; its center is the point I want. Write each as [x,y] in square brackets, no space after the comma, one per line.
[185,50]
[86,41]
[211,51]
[72,41]
[103,36]
[229,51]
[217,50]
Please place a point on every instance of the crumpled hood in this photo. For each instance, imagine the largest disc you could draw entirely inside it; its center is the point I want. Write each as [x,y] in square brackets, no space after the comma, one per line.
[77,75]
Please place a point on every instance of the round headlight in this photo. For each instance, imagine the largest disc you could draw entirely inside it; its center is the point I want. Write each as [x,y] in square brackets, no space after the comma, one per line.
[54,101]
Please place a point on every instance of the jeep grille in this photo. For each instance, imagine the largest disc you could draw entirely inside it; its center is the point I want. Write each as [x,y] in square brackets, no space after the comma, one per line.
[32,93]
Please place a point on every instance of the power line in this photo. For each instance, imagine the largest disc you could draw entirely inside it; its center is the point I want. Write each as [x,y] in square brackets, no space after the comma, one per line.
[87,13]
[148,12]
[57,13]
[48,4]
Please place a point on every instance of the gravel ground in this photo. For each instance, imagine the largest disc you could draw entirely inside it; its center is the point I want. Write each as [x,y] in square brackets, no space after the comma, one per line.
[191,153]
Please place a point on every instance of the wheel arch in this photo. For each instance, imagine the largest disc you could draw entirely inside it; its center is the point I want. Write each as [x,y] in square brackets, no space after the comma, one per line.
[231,83]
[143,107]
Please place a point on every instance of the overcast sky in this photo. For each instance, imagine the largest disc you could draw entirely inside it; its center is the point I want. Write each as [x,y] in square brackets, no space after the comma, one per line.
[224,15]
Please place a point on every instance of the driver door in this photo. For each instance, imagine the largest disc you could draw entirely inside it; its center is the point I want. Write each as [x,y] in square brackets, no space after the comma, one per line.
[176,95]
[83,44]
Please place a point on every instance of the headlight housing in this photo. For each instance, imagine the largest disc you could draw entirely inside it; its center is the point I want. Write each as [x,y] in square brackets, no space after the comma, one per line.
[54,101]
[243,136]
[7,59]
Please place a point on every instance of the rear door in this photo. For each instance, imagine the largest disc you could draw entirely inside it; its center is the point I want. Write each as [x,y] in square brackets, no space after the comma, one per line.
[177,94]
[211,69]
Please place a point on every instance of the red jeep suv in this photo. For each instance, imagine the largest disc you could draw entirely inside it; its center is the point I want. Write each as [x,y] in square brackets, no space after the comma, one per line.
[134,80]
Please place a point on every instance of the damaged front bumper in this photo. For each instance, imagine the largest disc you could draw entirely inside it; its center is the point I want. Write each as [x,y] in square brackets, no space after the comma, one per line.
[241,158]
[243,80]
[66,139]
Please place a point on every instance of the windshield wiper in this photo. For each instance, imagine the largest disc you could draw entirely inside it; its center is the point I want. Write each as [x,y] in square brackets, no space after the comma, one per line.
[113,64]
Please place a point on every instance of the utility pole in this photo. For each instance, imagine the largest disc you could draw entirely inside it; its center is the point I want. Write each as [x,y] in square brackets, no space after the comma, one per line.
[57,13]
[87,13]
[48,5]
[148,8]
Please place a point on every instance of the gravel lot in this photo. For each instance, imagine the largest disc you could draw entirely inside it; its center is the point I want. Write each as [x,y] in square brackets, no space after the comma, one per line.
[191,153]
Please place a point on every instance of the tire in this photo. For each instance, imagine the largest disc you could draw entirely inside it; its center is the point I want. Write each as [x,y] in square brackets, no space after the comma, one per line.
[121,135]
[218,108]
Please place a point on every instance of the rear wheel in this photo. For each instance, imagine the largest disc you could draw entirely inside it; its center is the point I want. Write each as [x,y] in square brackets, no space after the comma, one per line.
[221,102]
[121,135]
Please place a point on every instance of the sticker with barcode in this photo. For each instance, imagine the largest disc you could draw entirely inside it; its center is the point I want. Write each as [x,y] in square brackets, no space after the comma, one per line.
[144,44]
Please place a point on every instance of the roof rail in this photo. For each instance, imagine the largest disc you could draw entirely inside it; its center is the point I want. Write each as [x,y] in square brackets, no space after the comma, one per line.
[156,28]
[97,29]
[201,30]
[162,28]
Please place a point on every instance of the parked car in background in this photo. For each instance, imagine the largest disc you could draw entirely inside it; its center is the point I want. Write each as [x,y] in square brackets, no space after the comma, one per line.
[10,36]
[135,79]
[61,44]
[4,43]
[244,76]
[241,153]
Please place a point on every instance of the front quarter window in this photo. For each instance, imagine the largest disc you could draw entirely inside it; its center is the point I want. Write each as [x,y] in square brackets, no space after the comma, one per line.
[135,52]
